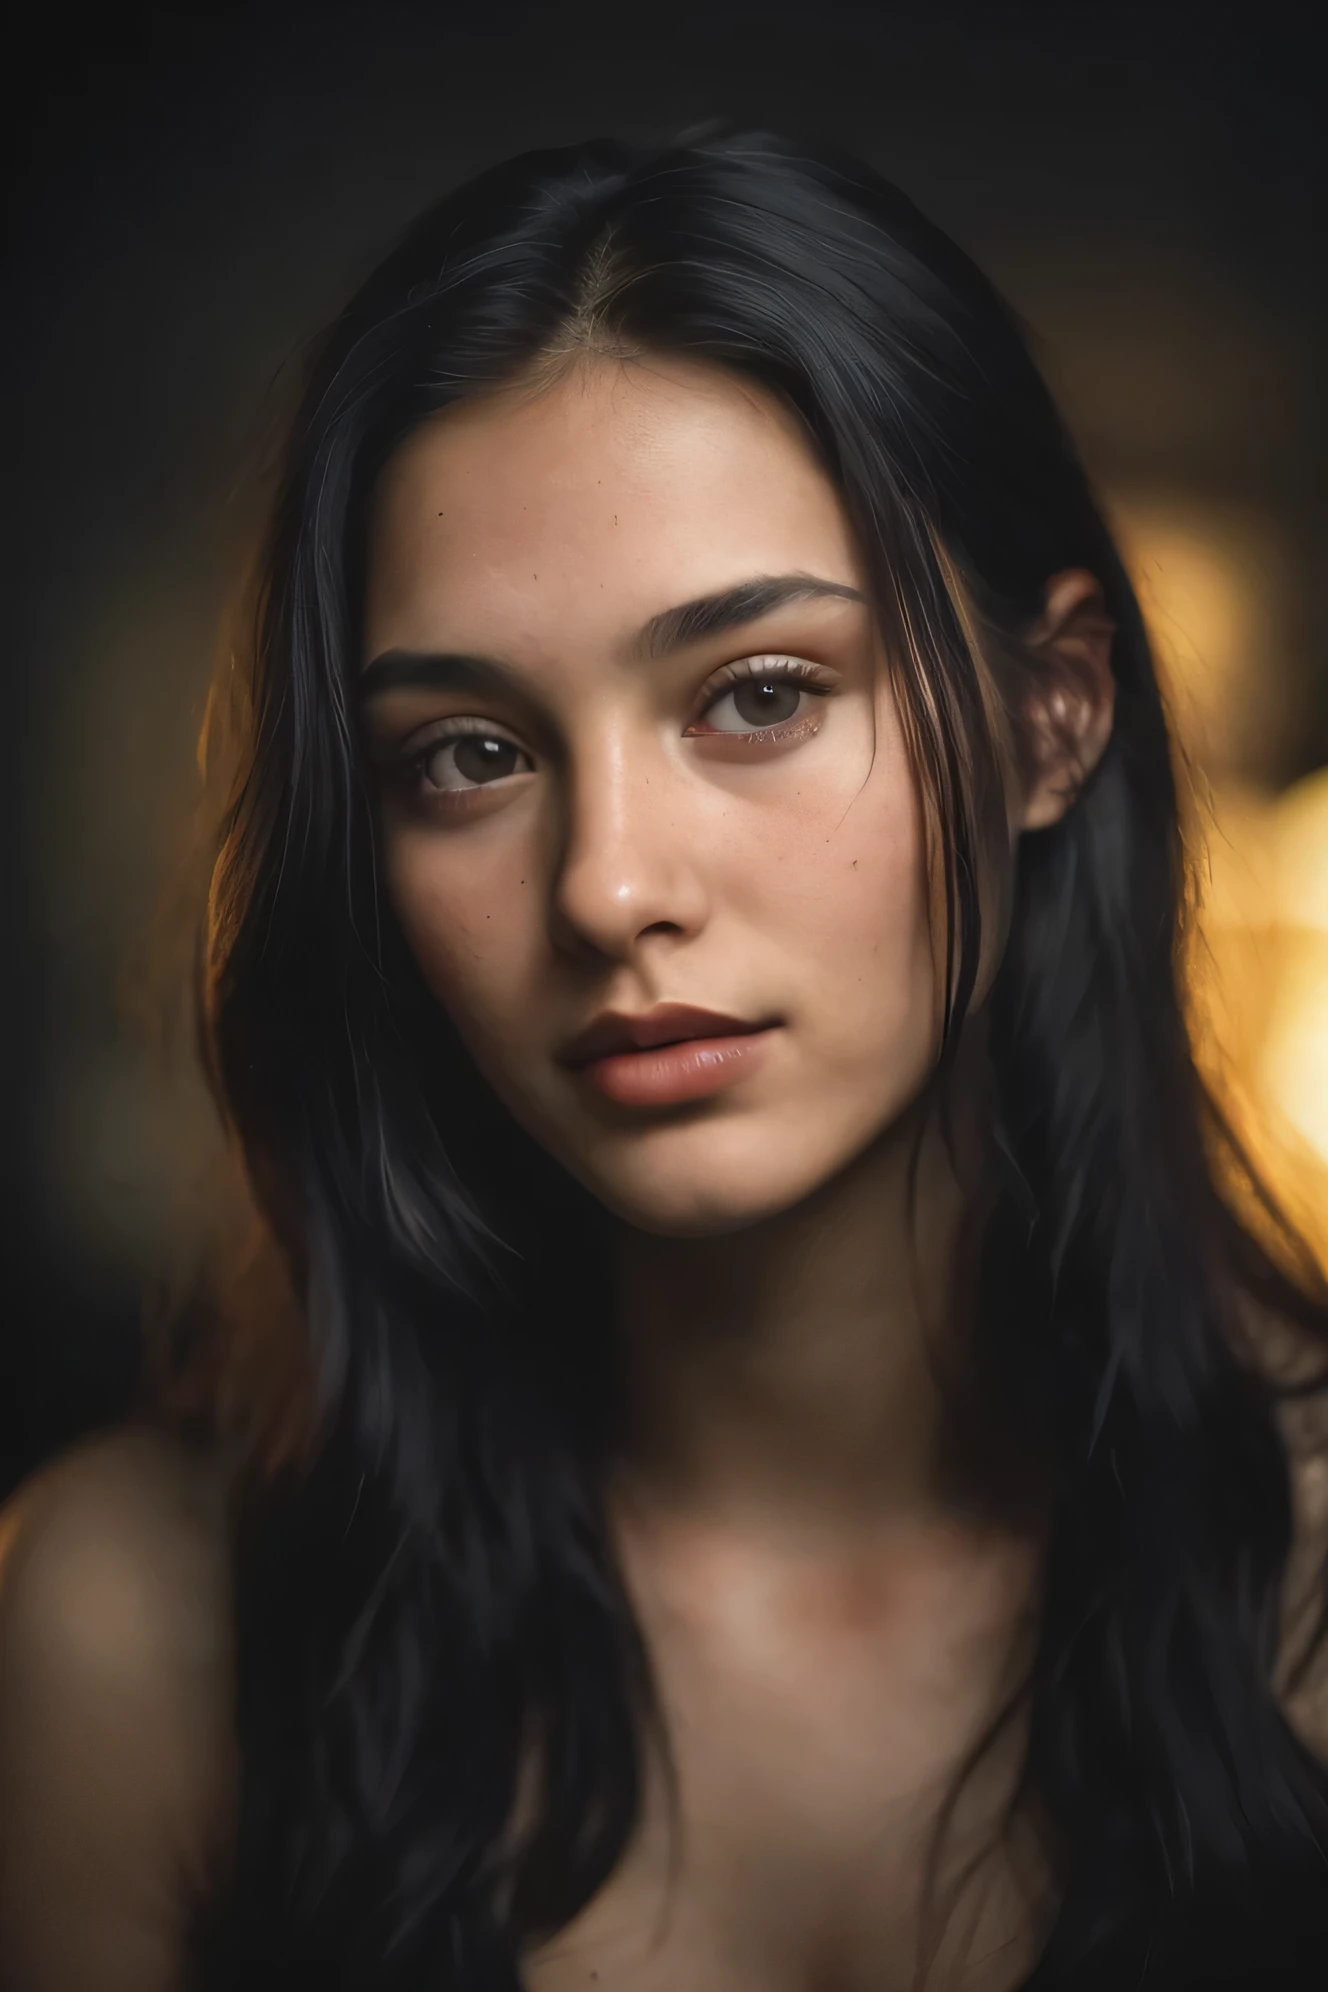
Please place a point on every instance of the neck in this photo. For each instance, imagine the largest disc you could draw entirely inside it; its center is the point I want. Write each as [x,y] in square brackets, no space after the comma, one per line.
[782,1377]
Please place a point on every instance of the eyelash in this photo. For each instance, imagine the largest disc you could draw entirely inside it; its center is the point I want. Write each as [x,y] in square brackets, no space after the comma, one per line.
[747,670]
[763,669]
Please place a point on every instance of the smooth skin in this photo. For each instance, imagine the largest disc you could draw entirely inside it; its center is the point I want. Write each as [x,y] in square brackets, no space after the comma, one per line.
[611,805]
[589,816]
[640,838]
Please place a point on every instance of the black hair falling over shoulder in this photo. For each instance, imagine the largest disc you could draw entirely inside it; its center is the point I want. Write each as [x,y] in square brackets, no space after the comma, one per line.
[427,1600]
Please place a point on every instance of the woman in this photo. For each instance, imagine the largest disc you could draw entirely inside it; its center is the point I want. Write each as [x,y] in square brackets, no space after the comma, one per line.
[781,1482]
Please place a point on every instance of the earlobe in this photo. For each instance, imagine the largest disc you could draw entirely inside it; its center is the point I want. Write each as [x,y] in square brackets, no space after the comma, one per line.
[1068,717]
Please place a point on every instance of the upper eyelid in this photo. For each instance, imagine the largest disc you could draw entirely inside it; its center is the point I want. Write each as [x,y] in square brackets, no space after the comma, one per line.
[466,722]
[786,663]
[433,732]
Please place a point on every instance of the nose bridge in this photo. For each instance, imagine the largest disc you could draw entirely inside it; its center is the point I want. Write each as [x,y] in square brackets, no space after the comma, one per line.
[623,867]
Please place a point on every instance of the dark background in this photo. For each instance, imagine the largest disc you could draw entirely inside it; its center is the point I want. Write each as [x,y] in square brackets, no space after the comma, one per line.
[192,190]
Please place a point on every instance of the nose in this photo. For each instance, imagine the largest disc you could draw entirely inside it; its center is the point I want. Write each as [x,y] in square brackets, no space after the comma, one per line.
[629,863]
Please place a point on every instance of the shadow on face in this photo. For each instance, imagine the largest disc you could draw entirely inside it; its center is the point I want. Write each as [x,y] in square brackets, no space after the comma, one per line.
[648,819]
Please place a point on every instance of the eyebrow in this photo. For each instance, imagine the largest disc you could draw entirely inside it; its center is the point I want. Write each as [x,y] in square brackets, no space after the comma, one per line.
[432,670]
[711,615]
[671,630]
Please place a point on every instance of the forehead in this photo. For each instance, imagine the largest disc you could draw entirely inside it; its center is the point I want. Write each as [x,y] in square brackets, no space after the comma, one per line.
[621,489]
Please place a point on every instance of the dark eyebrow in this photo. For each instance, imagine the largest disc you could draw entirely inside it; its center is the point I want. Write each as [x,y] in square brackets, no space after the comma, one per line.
[672,629]
[711,615]
[435,671]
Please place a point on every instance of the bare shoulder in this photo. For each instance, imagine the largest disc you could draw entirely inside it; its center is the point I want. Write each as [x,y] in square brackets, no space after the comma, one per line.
[117,1547]
[116,1748]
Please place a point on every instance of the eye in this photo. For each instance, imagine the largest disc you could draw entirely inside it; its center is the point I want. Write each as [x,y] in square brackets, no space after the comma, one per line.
[462,761]
[762,695]
[761,702]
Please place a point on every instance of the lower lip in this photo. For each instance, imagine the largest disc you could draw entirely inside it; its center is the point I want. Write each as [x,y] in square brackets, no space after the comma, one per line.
[668,1074]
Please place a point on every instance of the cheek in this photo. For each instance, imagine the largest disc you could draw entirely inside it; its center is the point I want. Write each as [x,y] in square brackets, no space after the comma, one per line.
[473,935]
[846,890]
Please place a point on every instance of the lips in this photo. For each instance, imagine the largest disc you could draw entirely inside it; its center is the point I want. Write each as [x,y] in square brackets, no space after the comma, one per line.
[665,1056]
[668,1023]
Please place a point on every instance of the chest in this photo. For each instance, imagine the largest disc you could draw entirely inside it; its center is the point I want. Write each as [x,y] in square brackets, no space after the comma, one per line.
[814,1734]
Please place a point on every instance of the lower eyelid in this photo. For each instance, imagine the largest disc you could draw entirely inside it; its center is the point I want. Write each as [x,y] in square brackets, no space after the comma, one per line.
[761,736]
[422,800]
[815,689]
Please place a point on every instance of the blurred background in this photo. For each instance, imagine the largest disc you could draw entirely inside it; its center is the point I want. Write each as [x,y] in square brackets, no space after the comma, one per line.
[193,190]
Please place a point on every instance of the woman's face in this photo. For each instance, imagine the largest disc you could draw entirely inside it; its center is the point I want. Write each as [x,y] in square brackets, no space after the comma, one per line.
[648,821]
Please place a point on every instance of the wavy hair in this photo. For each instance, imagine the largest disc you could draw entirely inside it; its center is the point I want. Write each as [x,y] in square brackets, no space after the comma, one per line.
[427,1600]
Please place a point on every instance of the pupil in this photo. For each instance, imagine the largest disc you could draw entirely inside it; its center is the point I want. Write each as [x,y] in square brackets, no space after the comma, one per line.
[481,760]
[766,702]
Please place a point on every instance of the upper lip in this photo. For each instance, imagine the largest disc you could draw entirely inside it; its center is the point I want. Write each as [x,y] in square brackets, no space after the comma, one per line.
[668,1023]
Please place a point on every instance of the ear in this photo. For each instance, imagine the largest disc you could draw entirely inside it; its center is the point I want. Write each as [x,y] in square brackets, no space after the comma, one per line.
[1069,716]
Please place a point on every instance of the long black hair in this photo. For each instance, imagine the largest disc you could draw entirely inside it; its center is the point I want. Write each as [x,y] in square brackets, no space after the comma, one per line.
[427,1601]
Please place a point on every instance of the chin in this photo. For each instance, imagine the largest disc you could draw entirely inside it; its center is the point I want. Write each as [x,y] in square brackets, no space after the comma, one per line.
[707,1180]
[689,1215]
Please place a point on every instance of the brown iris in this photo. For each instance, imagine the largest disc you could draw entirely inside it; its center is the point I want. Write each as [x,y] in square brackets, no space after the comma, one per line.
[766,701]
[476,757]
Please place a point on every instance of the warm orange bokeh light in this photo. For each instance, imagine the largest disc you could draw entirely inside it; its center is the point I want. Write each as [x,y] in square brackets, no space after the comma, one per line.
[1210,586]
